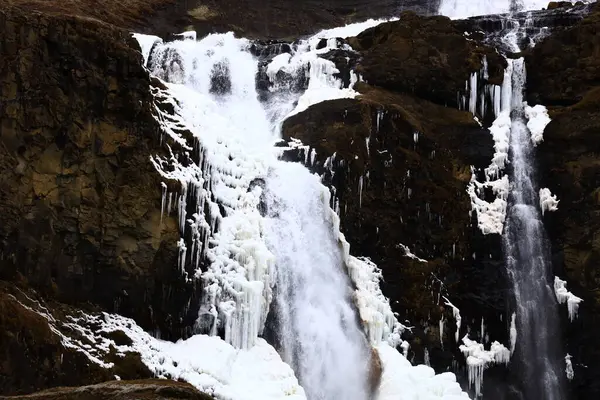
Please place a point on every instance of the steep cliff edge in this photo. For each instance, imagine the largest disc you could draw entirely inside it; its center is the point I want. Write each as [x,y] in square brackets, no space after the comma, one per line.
[564,73]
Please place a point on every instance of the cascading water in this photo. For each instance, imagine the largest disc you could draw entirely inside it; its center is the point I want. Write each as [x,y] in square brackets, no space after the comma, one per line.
[529,265]
[537,352]
[536,357]
[317,326]
[264,229]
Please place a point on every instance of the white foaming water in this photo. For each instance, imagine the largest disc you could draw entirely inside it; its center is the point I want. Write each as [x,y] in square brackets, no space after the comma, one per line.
[317,324]
[295,252]
[471,8]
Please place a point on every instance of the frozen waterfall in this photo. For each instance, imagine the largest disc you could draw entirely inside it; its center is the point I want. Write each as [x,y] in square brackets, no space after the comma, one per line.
[259,233]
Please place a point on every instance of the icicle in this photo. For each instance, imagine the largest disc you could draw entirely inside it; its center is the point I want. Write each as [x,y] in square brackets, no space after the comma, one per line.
[457,317]
[513,333]
[473,93]
[360,189]
[162,200]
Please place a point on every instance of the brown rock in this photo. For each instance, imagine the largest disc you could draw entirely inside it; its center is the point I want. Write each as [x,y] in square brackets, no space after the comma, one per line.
[80,201]
[426,57]
[151,389]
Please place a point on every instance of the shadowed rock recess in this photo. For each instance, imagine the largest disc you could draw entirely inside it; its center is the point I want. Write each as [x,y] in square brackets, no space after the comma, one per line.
[81,226]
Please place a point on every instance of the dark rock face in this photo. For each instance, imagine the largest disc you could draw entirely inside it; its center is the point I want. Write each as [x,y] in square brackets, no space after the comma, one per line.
[564,71]
[79,199]
[570,66]
[394,55]
[150,389]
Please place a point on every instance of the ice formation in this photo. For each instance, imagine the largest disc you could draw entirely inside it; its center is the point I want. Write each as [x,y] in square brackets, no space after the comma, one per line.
[538,119]
[306,60]
[478,359]
[491,215]
[457,317]
[249,222]
[409,254]
[569,367]
[548,201]
[564,296]
[402,381]
[513,332]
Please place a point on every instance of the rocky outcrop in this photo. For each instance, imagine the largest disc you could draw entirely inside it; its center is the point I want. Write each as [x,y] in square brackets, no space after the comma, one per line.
[151,389]
[394,55]
[80,201]
[568,79]
[36,353]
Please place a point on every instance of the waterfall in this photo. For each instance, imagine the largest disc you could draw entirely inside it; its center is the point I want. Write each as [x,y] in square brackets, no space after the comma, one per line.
[292,248]
[317,324]
[528,262]
[259,233]
[536,359]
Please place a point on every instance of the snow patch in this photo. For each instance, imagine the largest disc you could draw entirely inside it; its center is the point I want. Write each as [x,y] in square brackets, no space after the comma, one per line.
[207,362]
